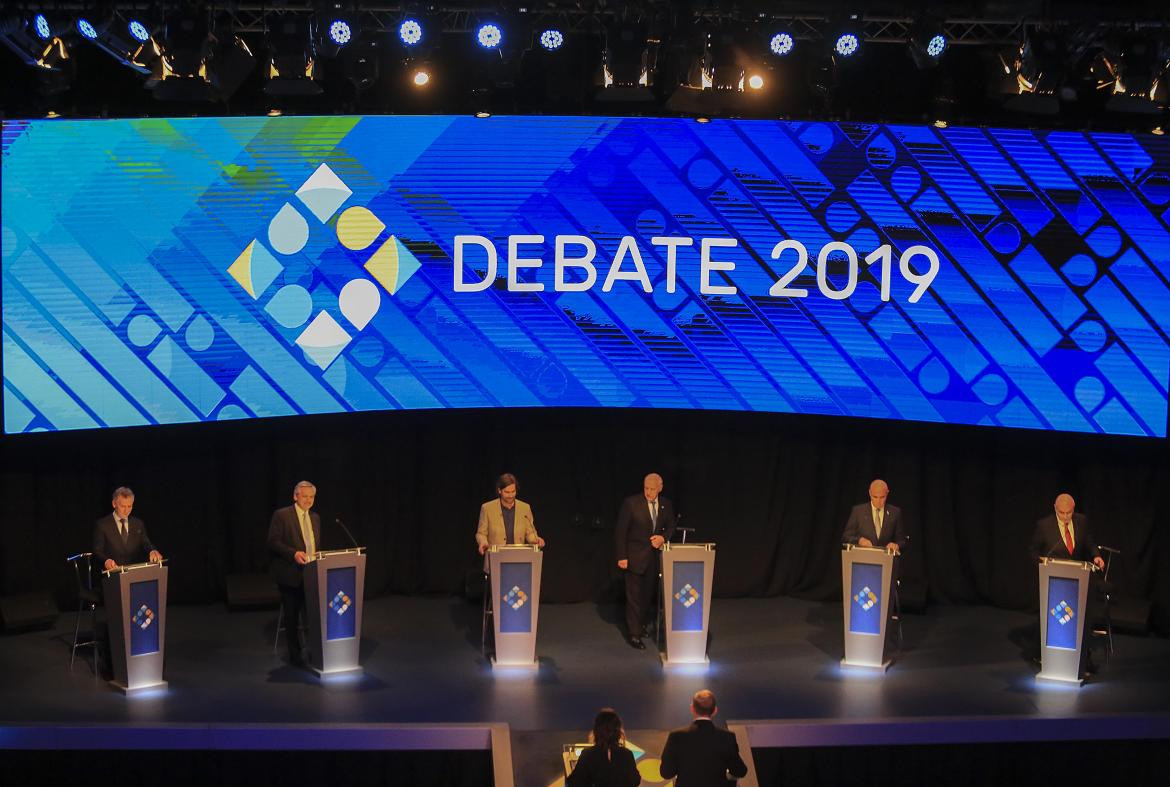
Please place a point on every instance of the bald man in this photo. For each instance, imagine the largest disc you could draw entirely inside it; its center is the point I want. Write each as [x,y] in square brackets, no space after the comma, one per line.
[876,523]
[644,524]
[1065,534]
[702,755]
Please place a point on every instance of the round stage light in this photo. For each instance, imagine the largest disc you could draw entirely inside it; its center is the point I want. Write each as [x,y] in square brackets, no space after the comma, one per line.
[936,45]
[138,31]
[755,81]
[41,25]
[489,36]
[410,31]
[86,29]
[340,32]
[552,39]
[847,44]
[782,44]
[422,78]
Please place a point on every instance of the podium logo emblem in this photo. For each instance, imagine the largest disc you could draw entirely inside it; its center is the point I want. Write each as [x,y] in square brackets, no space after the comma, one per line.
[144,617]
[515,598]
[865,598]
[687,596]
[340,603]
[1062,612]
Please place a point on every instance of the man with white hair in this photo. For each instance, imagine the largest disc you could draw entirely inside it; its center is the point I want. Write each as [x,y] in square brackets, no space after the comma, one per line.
[1065,534]
[876,523]
[293,537]
[644,524]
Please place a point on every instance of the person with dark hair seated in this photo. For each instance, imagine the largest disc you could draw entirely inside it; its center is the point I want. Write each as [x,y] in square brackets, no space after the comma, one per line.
[608,763]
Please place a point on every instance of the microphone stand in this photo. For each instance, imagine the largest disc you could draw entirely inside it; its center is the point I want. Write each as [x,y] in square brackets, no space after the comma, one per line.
[352,540]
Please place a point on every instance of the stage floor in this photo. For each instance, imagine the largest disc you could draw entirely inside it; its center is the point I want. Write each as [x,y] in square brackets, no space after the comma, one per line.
[773,659]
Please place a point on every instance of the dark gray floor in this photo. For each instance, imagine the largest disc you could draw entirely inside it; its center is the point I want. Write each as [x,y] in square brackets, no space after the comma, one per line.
[770,659]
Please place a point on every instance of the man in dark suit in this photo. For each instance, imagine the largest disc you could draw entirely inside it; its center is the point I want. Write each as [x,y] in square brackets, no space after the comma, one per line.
[293,536]
[644,524]
[1065,534]
[876,524]
[120,539]
[702,755]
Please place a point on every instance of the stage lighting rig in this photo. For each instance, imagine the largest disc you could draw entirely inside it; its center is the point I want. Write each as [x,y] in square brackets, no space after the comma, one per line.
[127,41]
[552,39]
[927,44]
[489,35]
[196,61]
[292,57]
[782,43]
[627,63]
[35,41]
[1139,65]
[1041,70]
[725,58]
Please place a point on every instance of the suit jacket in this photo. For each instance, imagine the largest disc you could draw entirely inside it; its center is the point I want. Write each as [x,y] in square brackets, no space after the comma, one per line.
[634,528]
[285,540]
[491,524]
[1047,541]
[861,524]
[702,755]
[594,769]
[107,544]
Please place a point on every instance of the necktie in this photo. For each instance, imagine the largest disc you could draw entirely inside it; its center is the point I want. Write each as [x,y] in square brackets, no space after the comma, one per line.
[1068,542]
[123,531]
[654,513]
[306,532]
[877,522]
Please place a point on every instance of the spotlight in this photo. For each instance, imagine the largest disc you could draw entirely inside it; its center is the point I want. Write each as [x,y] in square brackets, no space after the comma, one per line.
[410,32]
[926,43]
[628,69]
[782,44]
[421,78]
[847,44]
[1139,66]
[489,36]
[41,25]
[755,82]
[552,40]
[138,31]
[86,28]
[292,52]
[340,32]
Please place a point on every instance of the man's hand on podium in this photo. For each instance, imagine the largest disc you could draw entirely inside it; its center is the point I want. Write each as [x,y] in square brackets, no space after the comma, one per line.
[657,541]
[864,542]
[483,548]
[623,564]
[109,565]
[301,558]
[155,556]
[892,548]
[1099,562]
[540,542]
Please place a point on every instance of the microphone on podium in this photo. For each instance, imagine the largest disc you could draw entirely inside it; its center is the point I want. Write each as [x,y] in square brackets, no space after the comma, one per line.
[352,540]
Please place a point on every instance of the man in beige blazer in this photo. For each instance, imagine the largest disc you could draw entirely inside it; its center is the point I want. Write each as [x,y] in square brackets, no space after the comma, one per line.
[506,520]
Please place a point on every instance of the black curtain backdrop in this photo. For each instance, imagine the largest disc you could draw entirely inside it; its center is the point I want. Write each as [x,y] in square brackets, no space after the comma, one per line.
[772,490]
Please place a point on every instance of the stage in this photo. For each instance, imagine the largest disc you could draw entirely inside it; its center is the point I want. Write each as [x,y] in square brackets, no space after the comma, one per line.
[964,676]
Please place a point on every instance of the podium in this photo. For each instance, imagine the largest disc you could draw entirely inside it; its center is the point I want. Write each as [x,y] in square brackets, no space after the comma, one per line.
[515,588]
[687,571]
[334,586]
[136,610]
[1064,593]
[866,576]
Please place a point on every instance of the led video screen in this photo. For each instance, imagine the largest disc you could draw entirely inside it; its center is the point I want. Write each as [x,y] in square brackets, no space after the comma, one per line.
[161,271]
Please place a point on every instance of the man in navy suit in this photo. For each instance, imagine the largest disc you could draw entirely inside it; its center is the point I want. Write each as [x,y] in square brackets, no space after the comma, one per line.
[876,524]
[1065,534]
[120,539]
[293,536]
[644,524]
[702,755]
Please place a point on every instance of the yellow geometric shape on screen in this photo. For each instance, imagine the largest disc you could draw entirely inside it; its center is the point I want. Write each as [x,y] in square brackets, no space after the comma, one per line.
[392,265]
[357,228]
[649,768]
[241,269]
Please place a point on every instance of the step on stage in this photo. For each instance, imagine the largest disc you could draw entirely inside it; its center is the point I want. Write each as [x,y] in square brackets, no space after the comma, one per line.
[964,676]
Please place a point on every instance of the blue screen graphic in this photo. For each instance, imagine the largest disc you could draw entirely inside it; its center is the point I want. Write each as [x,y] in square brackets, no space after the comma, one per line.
[161,271]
